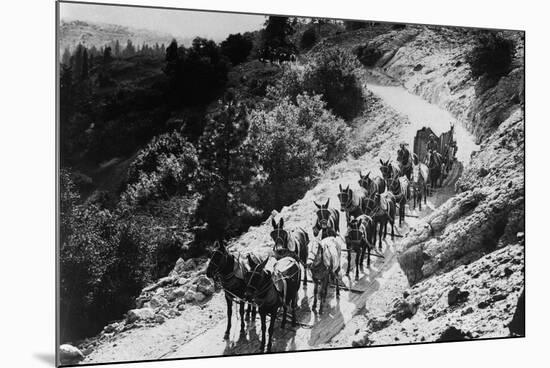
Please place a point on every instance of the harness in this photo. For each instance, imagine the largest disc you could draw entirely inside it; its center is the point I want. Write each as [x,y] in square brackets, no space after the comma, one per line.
[273,283]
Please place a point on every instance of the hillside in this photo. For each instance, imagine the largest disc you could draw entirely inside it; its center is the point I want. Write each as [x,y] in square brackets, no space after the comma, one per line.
[456,269]
[73,32]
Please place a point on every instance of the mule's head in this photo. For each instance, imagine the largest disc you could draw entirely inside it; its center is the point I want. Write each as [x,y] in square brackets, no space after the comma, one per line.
[314,254]
[323,214]
[279,235]
[219,259]
[345,197]
[386,169]
[354,229]
[256,278]
[364,181]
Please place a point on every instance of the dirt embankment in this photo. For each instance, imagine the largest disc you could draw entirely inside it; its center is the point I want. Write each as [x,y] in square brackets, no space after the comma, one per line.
[465,261]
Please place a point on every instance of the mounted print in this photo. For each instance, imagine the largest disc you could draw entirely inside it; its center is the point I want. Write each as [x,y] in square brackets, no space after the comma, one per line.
[235,184]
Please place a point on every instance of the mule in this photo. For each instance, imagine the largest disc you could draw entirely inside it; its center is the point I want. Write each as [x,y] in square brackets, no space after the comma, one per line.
[227,269]
[324,262]
[435,168]
[383,211]
[293,244]
[418,184]
[328,220]
[376,185]
[359,238]
[399,187]
[353,203]
[272,290]
[388,171]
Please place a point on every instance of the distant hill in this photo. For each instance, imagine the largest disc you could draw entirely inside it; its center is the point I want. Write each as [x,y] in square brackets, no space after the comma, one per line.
[72,32]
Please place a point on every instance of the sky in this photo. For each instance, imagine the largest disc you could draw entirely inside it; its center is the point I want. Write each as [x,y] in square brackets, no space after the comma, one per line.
[178,23]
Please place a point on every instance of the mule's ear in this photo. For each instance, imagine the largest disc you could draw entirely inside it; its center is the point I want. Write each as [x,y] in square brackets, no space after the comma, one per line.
[366,176]
[281,222]
[251,262]
[360,174]
[317,205]
[273,223]
[262,265]
[381,162]
[326,204]
[340,186]
[347,188]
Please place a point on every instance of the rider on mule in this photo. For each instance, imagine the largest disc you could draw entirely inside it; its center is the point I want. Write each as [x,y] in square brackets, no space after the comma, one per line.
[432,143]
[404,159]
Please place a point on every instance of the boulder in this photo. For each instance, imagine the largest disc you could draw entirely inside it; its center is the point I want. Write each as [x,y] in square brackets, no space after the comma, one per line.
[205,285]
[453,334]
[139,315]
[517,325]
[190,296]
[457,296]
[69,354]
[176,293]
[403,309]
[378,323]
[157,301]
[183,266]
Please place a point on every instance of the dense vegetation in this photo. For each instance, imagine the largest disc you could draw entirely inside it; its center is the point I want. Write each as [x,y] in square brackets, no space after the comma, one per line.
[164,149]
[492,56]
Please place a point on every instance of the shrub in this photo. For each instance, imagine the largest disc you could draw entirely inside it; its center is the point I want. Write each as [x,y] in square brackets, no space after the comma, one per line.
[368,55]
[287,153]
[331,74]
[492,55]
[353,25]
[309,38]
[236,47]
[167,166]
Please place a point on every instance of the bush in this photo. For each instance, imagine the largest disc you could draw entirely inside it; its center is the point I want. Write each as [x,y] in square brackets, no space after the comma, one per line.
[236,47]
[368,55]
[492,55]
[331,74]
[309,38]
[167,166]
[353,25]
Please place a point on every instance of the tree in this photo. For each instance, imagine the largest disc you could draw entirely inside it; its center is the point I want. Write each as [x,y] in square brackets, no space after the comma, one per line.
[236,47]
[492,55]
[66,58]
[116,50]
[107,57]
[84,71]
[228,166]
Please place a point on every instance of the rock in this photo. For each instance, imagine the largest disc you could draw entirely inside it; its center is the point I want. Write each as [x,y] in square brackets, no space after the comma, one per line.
[362,340]
[520,235]
[166,281]
[517,325]
[467,311]
[482,305]
[418,67]
[183,266]
[190,296]
[139,315]
[69,354]
[176,293]
[378,323]
[453,334]
[403,309]
[199,297]
[205,285]
[457,296]
[160,291]
[159,319]
[111,328]
[508,272]
[157,301]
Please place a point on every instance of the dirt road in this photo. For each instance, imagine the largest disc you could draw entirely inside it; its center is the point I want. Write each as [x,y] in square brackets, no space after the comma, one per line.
[194,333]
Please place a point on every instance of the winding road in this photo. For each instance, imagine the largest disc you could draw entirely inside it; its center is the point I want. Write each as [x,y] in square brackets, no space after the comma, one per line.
[315,330]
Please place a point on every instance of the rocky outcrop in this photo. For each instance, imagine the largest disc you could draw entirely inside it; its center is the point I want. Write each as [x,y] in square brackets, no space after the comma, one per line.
[69,354]
[471,301]
[488,214]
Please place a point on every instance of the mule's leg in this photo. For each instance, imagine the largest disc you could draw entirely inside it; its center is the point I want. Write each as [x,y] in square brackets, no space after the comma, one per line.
[315,288]
[241,313]
[337,281]
[305,274]
[283,322]
[368,257]
[229,312]
[323,294]
[363,247]
[247,315]
[380,235]
[357,258]
[262,342]
[349,260]
[294,306]
[253,313]
[273,317]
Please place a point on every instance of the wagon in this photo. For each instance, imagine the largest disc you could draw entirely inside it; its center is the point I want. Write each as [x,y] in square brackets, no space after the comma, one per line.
[422,137]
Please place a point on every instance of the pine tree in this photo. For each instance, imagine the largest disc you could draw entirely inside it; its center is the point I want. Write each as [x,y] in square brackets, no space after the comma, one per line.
[84,72]
[116,50]
[66,58]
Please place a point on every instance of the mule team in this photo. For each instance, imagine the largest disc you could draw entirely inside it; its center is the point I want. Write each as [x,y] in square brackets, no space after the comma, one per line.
[368,210]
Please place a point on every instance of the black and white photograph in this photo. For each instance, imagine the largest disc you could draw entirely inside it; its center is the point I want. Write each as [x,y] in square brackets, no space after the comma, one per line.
[242,183]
